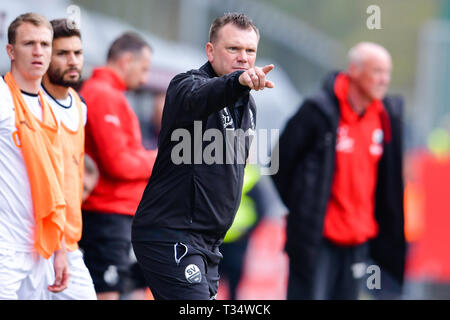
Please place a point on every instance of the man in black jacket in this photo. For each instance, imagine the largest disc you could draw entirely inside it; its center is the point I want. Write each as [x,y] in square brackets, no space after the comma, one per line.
[340,176]
[196,184]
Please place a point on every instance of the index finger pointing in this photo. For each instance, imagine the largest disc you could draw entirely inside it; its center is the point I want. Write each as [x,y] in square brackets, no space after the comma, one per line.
[268,68]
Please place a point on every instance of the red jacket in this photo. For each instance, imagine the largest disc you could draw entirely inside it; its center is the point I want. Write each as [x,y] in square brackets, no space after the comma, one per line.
[350,217]
[114,141]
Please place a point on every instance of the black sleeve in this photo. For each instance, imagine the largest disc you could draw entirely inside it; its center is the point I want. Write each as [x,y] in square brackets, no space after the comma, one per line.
[388,249]
[196,96]
[294,141]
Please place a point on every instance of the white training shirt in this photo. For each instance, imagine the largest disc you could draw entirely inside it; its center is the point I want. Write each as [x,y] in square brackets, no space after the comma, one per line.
[17,222]
[66,111]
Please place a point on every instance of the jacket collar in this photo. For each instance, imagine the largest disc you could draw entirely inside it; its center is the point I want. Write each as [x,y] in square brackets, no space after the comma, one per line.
[329,88]
[109,76]
[208,69]
[328,82]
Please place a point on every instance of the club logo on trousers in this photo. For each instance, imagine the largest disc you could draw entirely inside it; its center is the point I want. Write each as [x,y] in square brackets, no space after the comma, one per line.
[193,274]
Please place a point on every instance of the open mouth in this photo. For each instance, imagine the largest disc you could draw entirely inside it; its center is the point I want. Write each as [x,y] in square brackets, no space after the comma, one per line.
[37,63]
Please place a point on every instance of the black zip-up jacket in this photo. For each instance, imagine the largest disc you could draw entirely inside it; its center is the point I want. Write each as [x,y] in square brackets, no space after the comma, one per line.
[197,195]
[307,161]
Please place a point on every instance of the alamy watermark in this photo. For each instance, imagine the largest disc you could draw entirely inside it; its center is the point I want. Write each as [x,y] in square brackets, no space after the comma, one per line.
[373,273]
[73,17]
[373,22]
[374,280]
[212,147]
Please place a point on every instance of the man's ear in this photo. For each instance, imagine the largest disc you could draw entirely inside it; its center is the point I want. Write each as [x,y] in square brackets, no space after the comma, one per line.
[353,70]
[124,60]
[10,51]
[210,51]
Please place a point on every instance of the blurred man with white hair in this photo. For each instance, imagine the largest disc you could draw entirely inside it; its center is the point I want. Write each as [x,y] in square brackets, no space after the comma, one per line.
[340,175]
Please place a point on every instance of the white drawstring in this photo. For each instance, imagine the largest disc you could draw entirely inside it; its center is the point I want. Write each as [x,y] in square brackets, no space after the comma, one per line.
[175,252]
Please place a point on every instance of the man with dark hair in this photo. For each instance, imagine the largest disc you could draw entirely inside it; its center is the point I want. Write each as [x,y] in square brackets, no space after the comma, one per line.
[113,140]
[188,206]
[129,41]
[65,71]
[61,29]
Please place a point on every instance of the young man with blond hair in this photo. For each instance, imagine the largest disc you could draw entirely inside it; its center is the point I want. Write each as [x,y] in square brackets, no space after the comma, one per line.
[32,206]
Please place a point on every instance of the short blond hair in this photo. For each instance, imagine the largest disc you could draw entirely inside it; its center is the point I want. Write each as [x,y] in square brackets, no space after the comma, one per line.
[30,17]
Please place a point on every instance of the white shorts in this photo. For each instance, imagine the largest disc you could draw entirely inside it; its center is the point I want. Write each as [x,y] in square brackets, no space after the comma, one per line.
[23,275]
[80,285]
